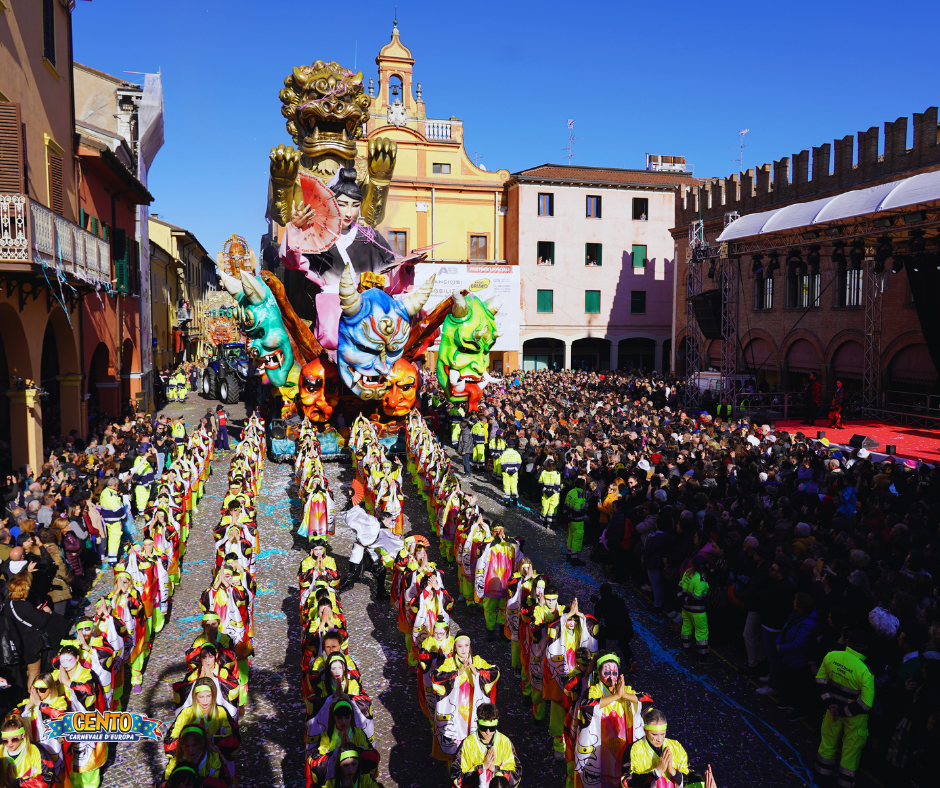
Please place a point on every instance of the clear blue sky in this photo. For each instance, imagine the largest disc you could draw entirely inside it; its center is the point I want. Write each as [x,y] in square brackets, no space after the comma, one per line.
[676,78]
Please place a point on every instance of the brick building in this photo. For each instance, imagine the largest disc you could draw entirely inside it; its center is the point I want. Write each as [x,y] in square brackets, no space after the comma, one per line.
[843,231]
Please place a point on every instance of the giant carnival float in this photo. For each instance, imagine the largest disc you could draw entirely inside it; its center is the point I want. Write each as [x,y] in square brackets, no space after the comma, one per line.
[361,355]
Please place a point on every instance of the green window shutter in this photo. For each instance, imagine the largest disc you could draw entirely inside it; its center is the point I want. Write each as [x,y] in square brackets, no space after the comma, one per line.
[592,301]
[639,255]
[95,225]
[600,254]
[82,218]
[544,301]
[120,253]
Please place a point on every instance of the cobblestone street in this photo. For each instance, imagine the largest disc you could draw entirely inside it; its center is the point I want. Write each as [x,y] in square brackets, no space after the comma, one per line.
[737,735]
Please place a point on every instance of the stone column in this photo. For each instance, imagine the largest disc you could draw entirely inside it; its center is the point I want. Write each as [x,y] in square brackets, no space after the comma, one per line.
[567,354]
[25,428]
[70,403]
[614,354]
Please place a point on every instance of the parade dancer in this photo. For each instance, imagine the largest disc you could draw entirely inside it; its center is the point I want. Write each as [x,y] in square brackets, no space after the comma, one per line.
[494,568]
[371,537]
[655,760]
[486,754]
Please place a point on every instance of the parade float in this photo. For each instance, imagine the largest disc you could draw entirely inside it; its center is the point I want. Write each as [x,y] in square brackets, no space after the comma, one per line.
[362,354]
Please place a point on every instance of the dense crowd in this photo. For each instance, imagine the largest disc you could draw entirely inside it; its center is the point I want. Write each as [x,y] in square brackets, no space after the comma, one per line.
[813,566]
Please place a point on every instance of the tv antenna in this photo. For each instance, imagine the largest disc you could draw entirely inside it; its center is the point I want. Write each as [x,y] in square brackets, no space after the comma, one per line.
[741,147]
[569,155]
[477,158]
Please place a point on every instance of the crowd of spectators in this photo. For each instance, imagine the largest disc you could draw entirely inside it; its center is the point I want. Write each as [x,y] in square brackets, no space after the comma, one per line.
[804,543]
[53,540]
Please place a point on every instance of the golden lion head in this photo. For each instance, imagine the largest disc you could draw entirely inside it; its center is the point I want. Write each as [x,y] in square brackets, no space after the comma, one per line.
[326,109]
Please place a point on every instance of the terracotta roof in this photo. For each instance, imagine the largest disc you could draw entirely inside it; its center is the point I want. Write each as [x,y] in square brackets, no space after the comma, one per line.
[562,172]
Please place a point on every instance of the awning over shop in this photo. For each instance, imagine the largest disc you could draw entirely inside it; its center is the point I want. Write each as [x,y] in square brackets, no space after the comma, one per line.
[859,202]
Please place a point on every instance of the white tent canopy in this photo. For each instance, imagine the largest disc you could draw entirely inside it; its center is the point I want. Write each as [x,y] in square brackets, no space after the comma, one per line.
[859,202]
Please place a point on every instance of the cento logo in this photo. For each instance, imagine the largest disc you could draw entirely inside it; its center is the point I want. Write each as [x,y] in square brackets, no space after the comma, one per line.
[108,726]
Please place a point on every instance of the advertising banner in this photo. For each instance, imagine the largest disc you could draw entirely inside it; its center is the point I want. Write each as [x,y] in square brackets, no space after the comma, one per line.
[483,281]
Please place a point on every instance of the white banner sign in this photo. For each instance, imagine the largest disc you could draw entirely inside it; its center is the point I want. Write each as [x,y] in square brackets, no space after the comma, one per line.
[484,281]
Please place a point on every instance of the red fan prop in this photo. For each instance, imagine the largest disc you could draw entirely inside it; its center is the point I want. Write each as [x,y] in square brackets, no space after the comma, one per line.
[358,492]
[323,230]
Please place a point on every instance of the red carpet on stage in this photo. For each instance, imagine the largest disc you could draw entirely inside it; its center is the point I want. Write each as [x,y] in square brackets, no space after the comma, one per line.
[917,443]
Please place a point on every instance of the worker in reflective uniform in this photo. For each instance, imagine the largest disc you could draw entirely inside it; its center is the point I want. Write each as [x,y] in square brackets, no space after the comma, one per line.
[510,462]
[456,414]
[480,433]
[179,431]
[694,589]
[112,512]
[143,476]
[576,511]
[496,448]
[485,754]
[848,689]
[550,479]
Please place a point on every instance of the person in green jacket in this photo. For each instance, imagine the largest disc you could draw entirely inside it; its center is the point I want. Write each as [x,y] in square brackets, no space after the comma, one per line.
[848,690]
[456,414]
[576,511]
[112,513]
[694,589]
[510,462]
[550,479]
[143,474]
[495,449]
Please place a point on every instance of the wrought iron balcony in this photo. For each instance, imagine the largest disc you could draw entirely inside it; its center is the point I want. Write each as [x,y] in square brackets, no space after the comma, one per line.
[32,234]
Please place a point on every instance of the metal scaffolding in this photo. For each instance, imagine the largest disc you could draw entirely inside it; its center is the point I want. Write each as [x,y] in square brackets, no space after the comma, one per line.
[871,371]
[693,336]
[730,279]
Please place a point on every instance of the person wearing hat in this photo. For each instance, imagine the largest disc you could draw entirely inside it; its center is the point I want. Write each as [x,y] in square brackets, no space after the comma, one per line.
[848,690]
[693,589]
[576,512]
[654,757]
[486,754]
[510,463]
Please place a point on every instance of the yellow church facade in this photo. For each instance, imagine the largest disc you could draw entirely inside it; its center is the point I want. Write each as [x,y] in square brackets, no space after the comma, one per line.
[437,195]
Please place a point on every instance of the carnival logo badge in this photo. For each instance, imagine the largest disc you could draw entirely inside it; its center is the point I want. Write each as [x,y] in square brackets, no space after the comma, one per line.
[108,726]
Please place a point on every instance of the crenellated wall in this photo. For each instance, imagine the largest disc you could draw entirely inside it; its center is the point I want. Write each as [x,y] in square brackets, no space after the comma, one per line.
[830,169]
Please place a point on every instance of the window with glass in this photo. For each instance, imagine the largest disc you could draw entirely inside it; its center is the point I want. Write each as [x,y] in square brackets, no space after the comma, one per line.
[544,301]
[764,292]
[398,240]
[592,302]
[641,209]
[849,287]
[546,204]
[638,302]
[546,252]
[639,255]
[478,247]
[593,206]
[803,290]
[48,30]
[440,169]
[593,254]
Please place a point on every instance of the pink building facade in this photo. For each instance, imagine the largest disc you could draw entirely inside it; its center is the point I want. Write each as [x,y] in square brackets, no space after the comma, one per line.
[596,264]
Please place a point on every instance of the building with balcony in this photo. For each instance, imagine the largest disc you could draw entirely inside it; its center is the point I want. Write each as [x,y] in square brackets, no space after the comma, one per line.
[49,263]
[117,326]
[596,263]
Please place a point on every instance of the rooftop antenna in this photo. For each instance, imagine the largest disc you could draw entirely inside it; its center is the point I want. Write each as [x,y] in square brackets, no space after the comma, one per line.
[741,147]
[569,155]
[477,158]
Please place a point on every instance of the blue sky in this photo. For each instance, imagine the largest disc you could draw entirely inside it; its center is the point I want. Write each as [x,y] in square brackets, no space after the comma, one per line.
[676,78]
